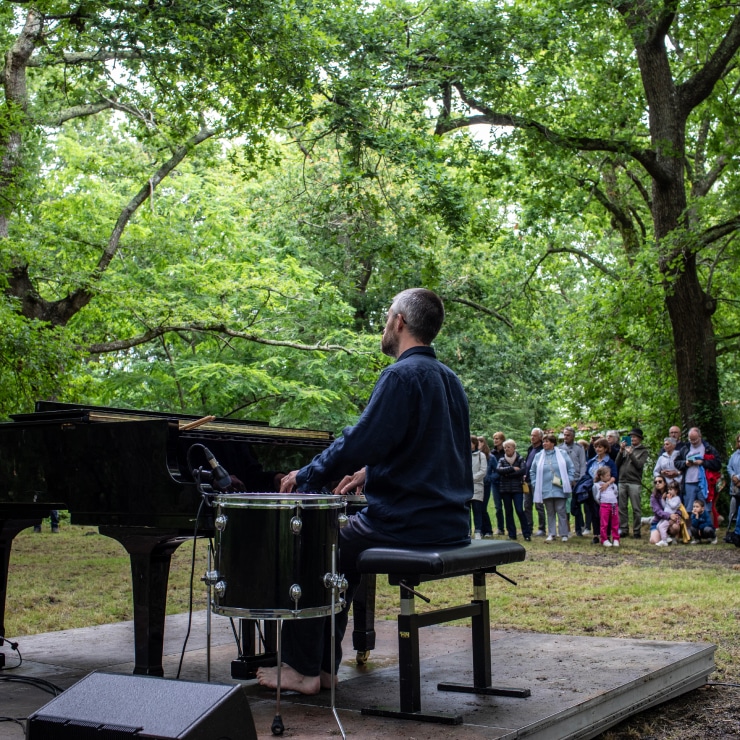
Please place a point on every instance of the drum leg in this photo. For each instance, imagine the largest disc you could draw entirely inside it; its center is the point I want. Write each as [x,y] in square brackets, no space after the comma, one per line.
[334,594]
[277,724]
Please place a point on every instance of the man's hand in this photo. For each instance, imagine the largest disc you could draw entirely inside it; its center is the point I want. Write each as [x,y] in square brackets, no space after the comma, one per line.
[287,484]
[351,483]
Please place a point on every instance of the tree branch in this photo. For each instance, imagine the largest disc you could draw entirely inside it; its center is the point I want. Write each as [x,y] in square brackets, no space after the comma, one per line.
[151,334]
[78,58]
[479,307]
[76,111]
[697,88]
[645,157]
[580,253]
[714,233]
[61,311]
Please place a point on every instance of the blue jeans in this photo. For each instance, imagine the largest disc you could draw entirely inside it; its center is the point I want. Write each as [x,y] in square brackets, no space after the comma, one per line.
[691,492]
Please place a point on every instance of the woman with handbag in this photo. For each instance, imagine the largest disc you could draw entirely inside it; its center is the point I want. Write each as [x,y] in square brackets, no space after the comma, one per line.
[551,474]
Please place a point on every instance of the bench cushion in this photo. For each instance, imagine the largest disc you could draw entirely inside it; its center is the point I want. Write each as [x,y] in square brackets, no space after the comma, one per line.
[429,563]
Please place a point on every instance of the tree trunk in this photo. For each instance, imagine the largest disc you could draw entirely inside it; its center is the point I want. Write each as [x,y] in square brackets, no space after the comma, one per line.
[690,311]
[689,308]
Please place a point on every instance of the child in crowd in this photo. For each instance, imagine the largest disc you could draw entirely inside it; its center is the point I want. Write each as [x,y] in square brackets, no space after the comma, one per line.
[660,486]
[701,525]
[669,526]
[606,494]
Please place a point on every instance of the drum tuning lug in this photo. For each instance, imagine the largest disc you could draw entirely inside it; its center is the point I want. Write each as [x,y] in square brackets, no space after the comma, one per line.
[220,588]
[335,580]
[295,593]
[343,521]
[220,522]
[211,577]
[296,525]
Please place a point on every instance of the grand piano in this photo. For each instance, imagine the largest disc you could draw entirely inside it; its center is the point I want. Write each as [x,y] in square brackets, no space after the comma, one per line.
[130,473]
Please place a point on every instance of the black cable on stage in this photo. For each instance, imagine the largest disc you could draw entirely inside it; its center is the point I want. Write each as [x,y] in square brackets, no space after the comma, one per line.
[39,683]
[722,683]
[18,720]
[236,635]
[14,647]
[192,576]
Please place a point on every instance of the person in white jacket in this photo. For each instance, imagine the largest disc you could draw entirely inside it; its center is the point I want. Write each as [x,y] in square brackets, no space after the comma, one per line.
[480,468]
[666,463]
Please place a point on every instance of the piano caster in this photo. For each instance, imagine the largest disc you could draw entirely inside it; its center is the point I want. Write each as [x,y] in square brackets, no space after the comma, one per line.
[277,725]
[362,657]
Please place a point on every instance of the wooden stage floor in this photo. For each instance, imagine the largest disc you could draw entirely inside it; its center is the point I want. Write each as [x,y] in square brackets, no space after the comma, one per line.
[580,686]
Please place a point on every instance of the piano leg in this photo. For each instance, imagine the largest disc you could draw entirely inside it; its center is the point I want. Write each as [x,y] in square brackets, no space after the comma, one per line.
[150,570]
[9,528]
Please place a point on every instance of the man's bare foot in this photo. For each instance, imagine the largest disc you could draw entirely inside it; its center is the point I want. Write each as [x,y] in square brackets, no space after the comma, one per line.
[290,680]
[325,680]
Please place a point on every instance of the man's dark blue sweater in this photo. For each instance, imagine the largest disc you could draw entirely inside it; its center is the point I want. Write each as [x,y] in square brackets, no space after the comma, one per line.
[414,438]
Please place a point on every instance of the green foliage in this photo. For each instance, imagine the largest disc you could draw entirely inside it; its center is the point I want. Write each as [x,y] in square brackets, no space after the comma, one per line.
[340,178]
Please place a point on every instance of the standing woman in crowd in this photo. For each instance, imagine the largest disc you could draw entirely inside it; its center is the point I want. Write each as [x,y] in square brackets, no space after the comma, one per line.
[600,459]
[511,472]
[551,474]
[496,454]
[480,467]
[486,528]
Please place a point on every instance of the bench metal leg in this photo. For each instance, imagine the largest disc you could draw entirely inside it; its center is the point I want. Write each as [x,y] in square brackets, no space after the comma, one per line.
[481,628]
[409,670]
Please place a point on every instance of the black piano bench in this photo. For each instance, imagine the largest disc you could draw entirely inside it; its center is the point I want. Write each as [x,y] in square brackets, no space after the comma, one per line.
[406,568]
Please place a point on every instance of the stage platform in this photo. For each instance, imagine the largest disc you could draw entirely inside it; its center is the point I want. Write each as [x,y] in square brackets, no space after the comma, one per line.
[580,686]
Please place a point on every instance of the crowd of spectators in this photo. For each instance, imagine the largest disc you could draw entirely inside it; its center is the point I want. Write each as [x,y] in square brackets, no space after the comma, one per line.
[595,488]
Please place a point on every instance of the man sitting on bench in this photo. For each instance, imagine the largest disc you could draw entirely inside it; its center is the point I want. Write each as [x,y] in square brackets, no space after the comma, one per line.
[413,443]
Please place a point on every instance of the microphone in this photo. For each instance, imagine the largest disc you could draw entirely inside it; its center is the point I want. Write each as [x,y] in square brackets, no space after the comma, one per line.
[221,479]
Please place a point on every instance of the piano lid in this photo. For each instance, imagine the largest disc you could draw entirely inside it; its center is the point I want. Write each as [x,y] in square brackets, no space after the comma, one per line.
[47,411]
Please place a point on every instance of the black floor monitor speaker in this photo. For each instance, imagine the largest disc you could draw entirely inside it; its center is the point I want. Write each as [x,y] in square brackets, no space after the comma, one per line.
[108,706]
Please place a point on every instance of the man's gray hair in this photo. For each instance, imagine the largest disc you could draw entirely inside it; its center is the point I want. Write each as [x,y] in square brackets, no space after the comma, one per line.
[612,433]
[538,431]
[423,312]
[671,440]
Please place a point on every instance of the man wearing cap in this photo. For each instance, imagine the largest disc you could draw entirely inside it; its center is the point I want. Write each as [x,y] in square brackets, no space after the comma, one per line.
[630,463]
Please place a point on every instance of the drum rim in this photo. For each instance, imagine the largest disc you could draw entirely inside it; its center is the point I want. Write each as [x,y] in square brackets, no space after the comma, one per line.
[246,613]
[280,501]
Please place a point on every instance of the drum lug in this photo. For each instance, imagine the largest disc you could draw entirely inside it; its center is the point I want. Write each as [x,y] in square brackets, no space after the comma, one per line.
[335,580]
[343,521]
[296,525]
[220,522]
[220,588]
[211,577]
[295,593]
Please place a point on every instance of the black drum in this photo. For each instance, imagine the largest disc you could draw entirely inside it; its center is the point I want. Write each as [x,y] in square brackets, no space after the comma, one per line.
[273,552]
